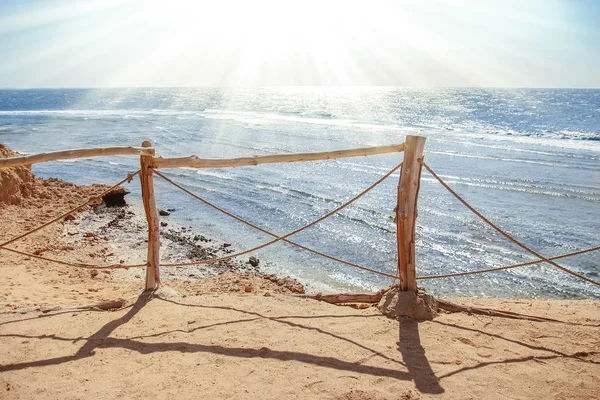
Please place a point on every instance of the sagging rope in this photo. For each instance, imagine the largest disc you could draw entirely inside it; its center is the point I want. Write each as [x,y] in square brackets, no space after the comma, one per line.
[284,237]
[78,265]
[93,199]
[503,233]
[481,271]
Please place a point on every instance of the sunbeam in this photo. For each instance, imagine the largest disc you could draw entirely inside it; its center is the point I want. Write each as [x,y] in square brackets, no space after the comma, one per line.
[233,43]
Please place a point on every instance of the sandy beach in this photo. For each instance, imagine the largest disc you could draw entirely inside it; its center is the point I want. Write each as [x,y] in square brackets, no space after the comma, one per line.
[329,200]
[242,334]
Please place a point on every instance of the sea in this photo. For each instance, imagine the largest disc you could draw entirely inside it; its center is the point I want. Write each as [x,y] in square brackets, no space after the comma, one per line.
[527,159]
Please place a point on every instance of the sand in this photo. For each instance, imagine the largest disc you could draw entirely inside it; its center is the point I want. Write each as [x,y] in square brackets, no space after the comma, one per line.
[243,335]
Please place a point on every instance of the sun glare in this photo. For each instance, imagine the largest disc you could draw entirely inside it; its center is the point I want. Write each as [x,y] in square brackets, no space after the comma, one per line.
[266,42]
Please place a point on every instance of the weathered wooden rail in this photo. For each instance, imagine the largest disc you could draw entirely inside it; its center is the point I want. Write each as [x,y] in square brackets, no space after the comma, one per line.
[74,153]
[406,207]
[196,162]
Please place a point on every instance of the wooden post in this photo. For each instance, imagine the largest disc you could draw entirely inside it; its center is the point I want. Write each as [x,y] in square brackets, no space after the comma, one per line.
[406,212]
[147,181]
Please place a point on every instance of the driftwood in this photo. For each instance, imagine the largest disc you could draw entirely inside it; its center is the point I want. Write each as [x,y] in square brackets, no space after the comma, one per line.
[196,162]
[339,298]
[454,308]
[103,305]
[74,153]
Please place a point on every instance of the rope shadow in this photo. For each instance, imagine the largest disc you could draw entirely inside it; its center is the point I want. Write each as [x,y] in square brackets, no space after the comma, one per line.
[101,340]
[530,346]
[282,319]
[556,354]
[91,343]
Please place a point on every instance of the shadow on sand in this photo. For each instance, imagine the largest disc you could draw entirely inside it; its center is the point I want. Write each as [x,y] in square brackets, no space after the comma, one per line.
[415,365]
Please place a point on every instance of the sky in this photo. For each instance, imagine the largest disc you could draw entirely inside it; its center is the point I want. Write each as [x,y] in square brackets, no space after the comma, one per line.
[175,43]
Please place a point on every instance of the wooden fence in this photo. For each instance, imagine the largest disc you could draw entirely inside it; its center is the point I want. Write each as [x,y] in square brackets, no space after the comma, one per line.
[406,208]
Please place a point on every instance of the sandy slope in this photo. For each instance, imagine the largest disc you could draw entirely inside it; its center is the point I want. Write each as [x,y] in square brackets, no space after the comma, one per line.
[195,341]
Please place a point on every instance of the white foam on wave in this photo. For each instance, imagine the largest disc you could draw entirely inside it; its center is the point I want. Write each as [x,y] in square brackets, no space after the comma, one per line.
[216,174]
[577,142]
[517,160]
[257,118]
[71,160]
[125,113]
[553,192]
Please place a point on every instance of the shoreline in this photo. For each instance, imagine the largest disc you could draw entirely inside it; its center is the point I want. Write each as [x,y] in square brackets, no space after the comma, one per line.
[101,235]
[121,233]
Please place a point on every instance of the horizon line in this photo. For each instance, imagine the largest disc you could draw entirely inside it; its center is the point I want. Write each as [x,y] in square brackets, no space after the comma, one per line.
[294,86]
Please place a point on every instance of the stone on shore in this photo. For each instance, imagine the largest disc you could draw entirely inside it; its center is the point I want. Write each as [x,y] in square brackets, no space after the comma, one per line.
[418,306]
[116,197]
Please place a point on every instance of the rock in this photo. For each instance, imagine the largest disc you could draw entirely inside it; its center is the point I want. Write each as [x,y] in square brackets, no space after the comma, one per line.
[116,197]
[164,213]
[94,273]
[16,183]
[89,234]
[225,245]
[248,288]
[70,217]
[253,261]
[163,223]
[267,294]
[418,306]
[171,209]
[165,293]
[288,283]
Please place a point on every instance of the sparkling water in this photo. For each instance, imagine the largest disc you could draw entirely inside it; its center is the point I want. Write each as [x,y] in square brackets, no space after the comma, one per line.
[528,159]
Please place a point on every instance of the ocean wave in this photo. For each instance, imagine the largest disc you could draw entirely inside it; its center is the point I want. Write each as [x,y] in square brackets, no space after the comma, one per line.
[260,118]
[125,113]
[555,192]
[216,174]
[509,159]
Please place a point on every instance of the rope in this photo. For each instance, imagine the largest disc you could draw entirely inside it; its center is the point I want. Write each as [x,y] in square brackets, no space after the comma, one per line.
[503,233]
[91,200]
[128,179]
[284,237]
[481,271]
[78,265]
